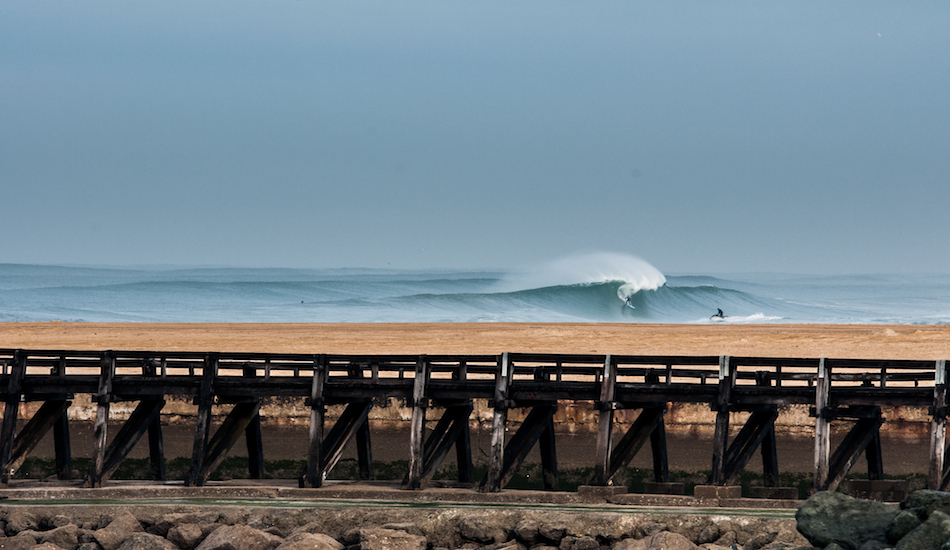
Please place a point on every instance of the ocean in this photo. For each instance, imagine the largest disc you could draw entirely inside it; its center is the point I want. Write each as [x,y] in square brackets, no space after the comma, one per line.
[610,288]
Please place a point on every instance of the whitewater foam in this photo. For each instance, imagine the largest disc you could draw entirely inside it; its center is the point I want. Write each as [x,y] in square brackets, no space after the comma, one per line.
[633,273]
[739,319]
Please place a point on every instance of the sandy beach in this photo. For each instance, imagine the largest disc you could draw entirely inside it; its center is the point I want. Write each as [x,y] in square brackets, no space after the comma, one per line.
[843,341]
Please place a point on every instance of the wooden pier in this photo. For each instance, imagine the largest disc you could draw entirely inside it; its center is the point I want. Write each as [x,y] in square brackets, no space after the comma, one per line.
[849,391]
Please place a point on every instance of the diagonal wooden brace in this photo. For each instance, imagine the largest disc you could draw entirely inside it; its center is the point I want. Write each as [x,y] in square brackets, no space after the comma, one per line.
[50,413]
[139,422]
[539,421]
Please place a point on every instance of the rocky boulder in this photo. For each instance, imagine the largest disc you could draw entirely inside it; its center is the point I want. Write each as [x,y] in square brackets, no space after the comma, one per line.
[240,537]
[114,534]
[933,533]
[828,517]
[146,541]
[664,540]
[390,539]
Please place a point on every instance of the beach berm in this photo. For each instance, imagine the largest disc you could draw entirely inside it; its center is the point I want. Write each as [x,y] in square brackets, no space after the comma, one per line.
[923,342]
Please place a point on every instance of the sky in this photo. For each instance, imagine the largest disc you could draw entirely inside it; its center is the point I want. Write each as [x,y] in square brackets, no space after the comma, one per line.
[703,137]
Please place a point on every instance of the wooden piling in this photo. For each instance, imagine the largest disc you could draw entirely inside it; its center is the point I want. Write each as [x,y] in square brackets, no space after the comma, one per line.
[938,428]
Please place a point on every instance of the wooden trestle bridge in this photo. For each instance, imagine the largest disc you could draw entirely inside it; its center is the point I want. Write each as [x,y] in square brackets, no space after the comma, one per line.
[839,390]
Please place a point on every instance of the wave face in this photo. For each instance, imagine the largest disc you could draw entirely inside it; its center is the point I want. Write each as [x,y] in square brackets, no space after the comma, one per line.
[589,288]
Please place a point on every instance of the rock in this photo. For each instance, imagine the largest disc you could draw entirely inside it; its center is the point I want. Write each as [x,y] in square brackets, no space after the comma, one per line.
[710,533]
[114,534]
[922,498]
[834,546]
[482,530]
[310,541]
[828,517]
[942,505]
[18,543]
[728,539]
[711,546]
[579,543]
[760,540]
[508,545]
[35,535]
[208,528]
[390,539]
[168,521]
[663,540]
[873,545]
[350,537]
[240,537]
[66,537]
[410,528]
[44,546]
[186,535]
[648,529]
[904,522]
[146,541]
[933,533]
[59,521]
[553,531]
[20,520]
[89,546]
[527,531]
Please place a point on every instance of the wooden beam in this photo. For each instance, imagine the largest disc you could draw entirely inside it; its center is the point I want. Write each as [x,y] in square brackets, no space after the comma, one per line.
[661,465]
[548,450]
[640,431]
[255,447]
[536,423]
[769,448]
[46,418]
[859,437]
[64,460]
[417,425]
[125,440]
[205,401]
[364,451]
[313,475]
[463,451]
[226,436]
[156,450]
[346,427]
[938,428]
[103,397]
[447,432]
[745,443]
[822,426]
[605,424]
[721,433]
[10,412]
[496,454]
[875,458]
[252,434]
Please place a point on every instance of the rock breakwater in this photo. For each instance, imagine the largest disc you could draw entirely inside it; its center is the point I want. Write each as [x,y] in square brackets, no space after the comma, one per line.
[834,521]
[359,527]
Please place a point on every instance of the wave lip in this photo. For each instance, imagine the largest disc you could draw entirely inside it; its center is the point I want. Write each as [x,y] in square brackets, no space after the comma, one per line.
[593,268]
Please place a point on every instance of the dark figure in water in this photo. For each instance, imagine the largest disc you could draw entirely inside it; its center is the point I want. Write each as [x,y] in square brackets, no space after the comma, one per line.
[720,314]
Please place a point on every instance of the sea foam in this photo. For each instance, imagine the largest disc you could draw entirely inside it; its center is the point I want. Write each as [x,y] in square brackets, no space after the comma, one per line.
[633,273]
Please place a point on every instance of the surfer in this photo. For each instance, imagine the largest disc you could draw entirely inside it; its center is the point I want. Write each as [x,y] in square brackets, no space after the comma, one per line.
[719,314]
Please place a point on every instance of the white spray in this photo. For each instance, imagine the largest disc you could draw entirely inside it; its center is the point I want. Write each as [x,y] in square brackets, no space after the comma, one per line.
[591,268]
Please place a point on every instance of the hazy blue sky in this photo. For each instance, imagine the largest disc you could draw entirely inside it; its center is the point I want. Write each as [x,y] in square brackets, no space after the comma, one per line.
[701,136]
